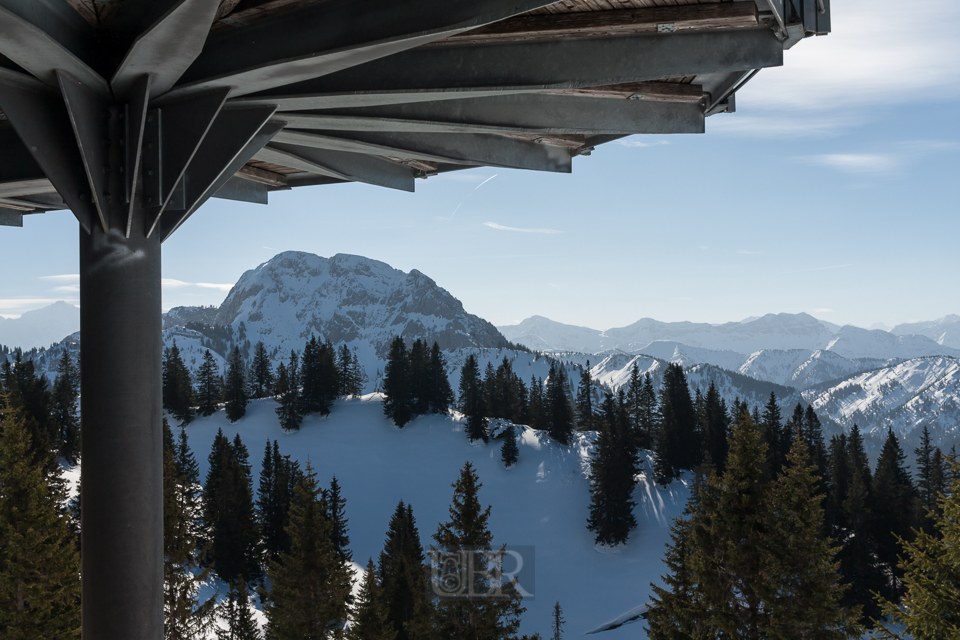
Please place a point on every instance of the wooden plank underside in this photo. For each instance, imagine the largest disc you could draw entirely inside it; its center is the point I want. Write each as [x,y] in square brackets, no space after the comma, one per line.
[655,91]
[263,176]
[729,15]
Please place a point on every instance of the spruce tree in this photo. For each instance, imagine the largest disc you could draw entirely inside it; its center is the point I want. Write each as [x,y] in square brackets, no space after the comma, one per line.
[357,376]
[417,365]
[895,508]
[397,386]
[676,442]
[178,398]
[337,516]
[805,592]
[750,560]
[649,415]
[261,373]
[310,584]
[237,612]
[559,411]
[235,389]
[813,437]
[471,400]
[30,396]
[777,441]
[185,617]
[467,532]
[613,470]
[440,395]
[66,389]
[402,575]
[287,387]
[39,562]
[509,449]
[558,622]
[585,400]
[228,512]
[209,391]
[536,408]
[279,477]
[930,606]
[634,390]
[370,621]
[716,429]
[931,477]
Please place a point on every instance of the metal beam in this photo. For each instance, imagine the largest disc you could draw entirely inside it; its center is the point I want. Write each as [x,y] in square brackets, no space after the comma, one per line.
[332,36]
[40,119]
[350,167]
[467,71]
[10,217]
[467,148]
[33,33]
[88,116]
[183,126]
[167,48]
[236,188]
[16,163]
[229,135]
[139,96]
[524,113]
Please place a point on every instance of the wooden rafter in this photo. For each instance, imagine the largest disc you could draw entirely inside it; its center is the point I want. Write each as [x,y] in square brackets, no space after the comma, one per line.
[654,91]
[729,15]
[235,13]
[263,176]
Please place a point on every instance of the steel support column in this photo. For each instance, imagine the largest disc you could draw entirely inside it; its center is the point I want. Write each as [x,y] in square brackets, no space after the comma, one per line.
[122,489]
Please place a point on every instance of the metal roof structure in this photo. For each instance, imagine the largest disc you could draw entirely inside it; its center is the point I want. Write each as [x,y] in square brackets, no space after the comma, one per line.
[273,94]
[133,113]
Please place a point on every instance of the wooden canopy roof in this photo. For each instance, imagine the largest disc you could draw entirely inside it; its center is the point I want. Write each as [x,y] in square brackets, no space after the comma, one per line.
[260,95]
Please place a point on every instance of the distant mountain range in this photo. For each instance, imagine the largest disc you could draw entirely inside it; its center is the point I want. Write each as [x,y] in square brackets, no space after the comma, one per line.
[899,379]
[781,331]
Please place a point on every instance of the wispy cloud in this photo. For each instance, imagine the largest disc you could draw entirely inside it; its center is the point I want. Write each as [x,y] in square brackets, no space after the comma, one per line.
[26,304]
[469,195]
[835,266]
[66,277]
[68,288]
[170,283]
[857,163]
[638,141]
[500,227]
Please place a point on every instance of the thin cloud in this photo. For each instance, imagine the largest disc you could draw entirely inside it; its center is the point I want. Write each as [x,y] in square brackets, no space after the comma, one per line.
[469,195]
[68,288]
[171,283]
[638,142]
[500,227]
[26,304]
[835,266]
[856,163]
[66,277]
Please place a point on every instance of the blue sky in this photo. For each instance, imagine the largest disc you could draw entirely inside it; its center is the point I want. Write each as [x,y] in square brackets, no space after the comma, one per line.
[831,191]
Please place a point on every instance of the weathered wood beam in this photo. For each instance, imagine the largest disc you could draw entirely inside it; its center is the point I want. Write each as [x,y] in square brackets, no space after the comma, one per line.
[226,8]
[342,166]
[648,91]
[726,15]
[331,36]
[472,149]
[27,187]
[269,178]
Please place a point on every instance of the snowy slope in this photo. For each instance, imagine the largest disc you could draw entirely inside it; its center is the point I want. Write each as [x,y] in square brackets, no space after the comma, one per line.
[903,397]
[854,342]
[686,355]
[543,501]
[41,327]
[181,316]
[945,330]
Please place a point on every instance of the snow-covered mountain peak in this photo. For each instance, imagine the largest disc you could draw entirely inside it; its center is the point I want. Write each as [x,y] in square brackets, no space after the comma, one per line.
[351,299]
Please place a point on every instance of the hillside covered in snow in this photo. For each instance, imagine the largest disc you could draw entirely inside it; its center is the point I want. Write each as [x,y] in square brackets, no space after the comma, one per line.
[542,501]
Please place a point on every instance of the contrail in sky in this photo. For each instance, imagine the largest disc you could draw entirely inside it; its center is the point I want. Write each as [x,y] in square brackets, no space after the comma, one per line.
[468,197]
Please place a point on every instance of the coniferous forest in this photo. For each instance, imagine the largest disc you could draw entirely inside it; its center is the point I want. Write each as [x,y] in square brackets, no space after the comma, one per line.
[787,533]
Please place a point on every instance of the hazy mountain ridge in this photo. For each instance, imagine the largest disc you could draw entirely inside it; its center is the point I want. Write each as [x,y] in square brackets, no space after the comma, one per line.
[41,327]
